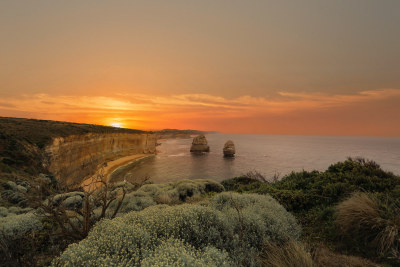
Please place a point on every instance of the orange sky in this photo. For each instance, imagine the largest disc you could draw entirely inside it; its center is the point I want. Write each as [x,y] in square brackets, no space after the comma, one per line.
[266,67]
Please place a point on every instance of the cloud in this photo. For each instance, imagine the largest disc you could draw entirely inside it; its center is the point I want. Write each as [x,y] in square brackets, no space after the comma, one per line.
[6,105]
[325,100]
[147,111]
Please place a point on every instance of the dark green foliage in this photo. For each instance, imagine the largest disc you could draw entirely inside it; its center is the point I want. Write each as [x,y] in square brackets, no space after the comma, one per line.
[14,197]
[312,196]
[304,190]
[237,182]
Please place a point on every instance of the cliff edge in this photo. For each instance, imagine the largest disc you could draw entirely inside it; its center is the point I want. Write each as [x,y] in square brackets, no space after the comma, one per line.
[69,151]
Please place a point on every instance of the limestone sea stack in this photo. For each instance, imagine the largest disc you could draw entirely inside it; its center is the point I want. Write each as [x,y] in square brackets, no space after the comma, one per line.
[200,144]
[229,149]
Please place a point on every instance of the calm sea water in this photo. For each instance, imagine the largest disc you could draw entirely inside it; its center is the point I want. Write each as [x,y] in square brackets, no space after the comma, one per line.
[268,154]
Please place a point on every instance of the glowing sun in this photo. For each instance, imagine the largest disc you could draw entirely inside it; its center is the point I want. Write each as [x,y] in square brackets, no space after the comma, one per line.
[117,124]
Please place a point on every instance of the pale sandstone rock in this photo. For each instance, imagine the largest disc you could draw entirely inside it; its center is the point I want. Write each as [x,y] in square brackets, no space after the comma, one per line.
[229,149]
[76,157]
[200,144]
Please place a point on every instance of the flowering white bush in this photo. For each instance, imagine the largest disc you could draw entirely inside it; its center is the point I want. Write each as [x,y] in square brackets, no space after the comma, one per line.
[229,230]
[148,195]
[174,252]
[258,214]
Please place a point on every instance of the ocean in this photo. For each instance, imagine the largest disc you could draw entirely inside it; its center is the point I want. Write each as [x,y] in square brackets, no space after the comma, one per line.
[270,155]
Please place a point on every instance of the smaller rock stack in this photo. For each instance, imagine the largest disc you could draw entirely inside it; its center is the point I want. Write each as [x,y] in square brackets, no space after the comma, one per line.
[229,149]
[200,144]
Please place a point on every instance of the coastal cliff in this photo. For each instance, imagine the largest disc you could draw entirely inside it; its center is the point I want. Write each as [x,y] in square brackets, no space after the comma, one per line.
[73,158]
[69,151]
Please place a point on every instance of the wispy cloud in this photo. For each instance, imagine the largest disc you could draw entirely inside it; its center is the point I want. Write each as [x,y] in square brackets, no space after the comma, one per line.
[143,110]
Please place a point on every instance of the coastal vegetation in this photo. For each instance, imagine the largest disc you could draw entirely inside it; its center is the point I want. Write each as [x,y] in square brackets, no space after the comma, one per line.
[229,229]
[347,215]
[352,207]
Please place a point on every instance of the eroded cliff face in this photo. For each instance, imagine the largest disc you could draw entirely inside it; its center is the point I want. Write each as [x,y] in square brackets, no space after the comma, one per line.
[72,159]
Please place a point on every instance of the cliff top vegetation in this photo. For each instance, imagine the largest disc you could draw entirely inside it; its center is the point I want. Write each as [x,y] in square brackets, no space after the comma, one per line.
[41,132]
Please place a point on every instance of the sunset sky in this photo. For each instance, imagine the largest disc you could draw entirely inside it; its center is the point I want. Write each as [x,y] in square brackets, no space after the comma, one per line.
[266,67]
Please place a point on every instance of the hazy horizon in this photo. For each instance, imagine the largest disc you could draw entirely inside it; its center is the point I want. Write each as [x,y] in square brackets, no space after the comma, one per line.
[324,68]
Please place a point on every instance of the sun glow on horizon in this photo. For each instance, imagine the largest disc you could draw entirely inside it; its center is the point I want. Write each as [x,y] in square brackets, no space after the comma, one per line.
[117,124]
[287,112]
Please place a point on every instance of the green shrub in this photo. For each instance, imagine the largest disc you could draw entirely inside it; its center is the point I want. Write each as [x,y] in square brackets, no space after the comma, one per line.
[61,197]
[306,190]
[15,197]
[260,224]
[311,196]
[173,192]
[237,224]
[182,189]
[110,243]
[21,238]
[175,252]
[74,202]
[18,210]
[16,226]
[235,183]
[3,212]
[133,202]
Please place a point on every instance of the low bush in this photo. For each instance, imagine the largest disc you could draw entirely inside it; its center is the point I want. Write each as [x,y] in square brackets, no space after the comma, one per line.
[182,189]
[306,190]
[237,182]
[17,237]
[168,193]
[134,201]
[249,210]
[237,224]
[312,196]
[15,226]
[175,252]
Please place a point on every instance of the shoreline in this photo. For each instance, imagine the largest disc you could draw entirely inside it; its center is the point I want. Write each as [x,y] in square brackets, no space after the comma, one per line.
[90,183]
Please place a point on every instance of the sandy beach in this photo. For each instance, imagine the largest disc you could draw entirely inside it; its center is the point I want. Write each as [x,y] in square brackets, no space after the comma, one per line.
[90,183]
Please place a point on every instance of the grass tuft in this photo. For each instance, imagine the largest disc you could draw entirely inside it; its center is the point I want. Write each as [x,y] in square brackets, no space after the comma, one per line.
[369,221]
[289,254]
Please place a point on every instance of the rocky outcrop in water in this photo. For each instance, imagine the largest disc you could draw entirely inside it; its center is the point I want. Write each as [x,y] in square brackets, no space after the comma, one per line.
[200,144]
[229,149]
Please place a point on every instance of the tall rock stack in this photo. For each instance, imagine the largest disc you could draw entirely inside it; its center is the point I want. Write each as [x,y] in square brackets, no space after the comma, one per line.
[200,144]
[229,149]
